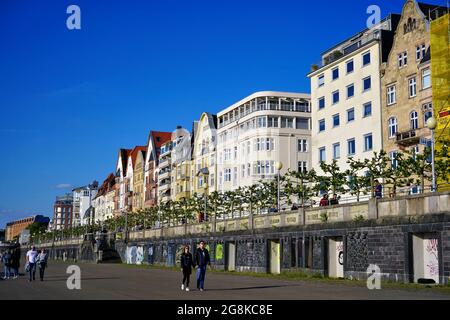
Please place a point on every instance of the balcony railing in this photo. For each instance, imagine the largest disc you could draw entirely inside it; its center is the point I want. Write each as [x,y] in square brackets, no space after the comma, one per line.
[408,138]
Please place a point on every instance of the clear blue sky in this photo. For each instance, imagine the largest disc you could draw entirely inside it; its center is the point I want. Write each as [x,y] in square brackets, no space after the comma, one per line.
[70,99]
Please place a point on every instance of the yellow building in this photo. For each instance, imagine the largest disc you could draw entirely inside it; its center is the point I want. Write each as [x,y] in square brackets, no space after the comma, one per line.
[204,155]
[181,164]
[138,181]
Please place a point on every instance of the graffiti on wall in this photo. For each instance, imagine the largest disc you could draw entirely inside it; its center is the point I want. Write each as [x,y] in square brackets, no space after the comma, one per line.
[431,259]
[135,255]
[219,252]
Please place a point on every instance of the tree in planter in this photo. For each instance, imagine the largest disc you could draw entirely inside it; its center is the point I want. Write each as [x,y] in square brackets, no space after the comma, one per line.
[250,196]
[418,165]
[299,183]
[376,167]
[216,202]
[269,194]
[334,179]
[358,183]
[230,202]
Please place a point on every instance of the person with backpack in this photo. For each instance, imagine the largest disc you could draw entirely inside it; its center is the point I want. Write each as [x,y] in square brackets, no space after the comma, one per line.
[41,262]
[202,260]
[187,263]
[7,264]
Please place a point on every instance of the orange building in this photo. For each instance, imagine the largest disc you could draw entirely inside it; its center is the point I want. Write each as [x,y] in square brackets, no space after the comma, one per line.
[14,228]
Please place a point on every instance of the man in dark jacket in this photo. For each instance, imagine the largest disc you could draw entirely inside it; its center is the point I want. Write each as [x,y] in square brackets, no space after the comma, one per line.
[202,261]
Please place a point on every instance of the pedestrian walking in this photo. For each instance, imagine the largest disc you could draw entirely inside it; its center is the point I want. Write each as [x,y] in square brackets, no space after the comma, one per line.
[15,262]
[201,261]
[6,258]
[31,262]
[187,263]
[41,261]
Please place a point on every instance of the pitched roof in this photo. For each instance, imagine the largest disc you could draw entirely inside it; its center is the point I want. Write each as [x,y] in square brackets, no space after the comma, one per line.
[106,185]
[158,139]
[123,156]
[134,153]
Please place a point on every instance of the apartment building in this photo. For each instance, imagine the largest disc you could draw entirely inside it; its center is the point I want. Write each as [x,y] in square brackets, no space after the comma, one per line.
[82,203]
[15,228]
[103,202]
[134,193]
[164,173]
[180,172]
[204,175]
[346,96]
[406,82]
[155,141]
[259,131]
[62,212]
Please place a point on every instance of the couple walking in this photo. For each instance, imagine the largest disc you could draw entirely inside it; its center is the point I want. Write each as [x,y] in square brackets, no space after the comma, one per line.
[200,260]
[34,258]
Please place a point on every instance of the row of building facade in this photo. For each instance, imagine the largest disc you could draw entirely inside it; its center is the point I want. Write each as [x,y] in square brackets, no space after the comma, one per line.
[370,92]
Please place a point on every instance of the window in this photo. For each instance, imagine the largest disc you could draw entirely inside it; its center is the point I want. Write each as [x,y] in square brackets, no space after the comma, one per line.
[243,171]
[368,142]
[391,95]
[227,154]
[426,79]
[336,97]
[336,151]
[421,51]
[367,83]
[302,145]
[393,157]
[402,59]
[336,120]
[366,59]
[249,168]
[321,103]
[322,125]
[287,123]
[367,110]
[392,127]
[350,66]
[303,166]
[427,111]
[335,73]
[322,155]
[350,91]
[350,115]
[321,80]
[351,145]
[412,87]
[414,120]
[235,153]
[273,122]
[235,175]
[227,175]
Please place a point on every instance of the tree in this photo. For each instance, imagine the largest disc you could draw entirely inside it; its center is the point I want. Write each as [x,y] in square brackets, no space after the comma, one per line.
[376,168]
[398,174]
[418,164]
[442,162]
[299,183]
[37,228]
[357,183]
[333,179]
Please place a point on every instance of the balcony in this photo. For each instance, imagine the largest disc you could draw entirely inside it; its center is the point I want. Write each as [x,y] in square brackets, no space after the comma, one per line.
[164,163]
[164,175]
[408,138]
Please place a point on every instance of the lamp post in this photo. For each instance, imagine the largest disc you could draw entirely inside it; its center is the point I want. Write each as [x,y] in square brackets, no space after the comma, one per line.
[432,124]
[205,186]
[279,166]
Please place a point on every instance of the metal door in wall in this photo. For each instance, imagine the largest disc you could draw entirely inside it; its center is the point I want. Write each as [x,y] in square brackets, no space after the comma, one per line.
[336,257]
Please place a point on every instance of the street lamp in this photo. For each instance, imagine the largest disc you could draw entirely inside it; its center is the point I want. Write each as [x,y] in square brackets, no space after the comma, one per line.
[205,186]
[279,166]
[432,124]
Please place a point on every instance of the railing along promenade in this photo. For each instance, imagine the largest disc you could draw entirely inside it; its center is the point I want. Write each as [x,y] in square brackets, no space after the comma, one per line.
[373,209]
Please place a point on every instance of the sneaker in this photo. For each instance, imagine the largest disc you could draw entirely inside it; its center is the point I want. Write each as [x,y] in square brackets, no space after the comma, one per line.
[187,289]
[182,287]
[201,290]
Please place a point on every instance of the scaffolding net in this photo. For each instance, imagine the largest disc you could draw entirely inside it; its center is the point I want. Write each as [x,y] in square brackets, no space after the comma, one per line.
[440,73]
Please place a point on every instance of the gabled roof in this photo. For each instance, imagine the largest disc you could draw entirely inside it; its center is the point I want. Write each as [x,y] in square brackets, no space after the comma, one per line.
[106,185]
[158,139]
[134,153]
[123,157]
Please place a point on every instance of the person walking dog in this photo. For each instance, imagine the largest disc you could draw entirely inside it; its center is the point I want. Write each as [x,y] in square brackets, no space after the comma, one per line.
[201,261]
[187,263]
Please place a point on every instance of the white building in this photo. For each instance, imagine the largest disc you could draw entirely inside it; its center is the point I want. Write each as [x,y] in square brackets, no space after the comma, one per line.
[259,131]
[103,202]
[82,203]
[346,97]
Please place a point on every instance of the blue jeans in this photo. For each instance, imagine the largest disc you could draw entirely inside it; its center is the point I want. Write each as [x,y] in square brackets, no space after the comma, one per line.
[201,273]
[32,271]
[7,271]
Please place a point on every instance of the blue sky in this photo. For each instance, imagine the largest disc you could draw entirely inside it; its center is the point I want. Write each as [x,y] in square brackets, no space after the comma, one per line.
[70,99]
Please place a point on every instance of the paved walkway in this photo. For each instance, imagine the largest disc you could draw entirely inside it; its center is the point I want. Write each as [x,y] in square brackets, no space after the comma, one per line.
[128,282]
